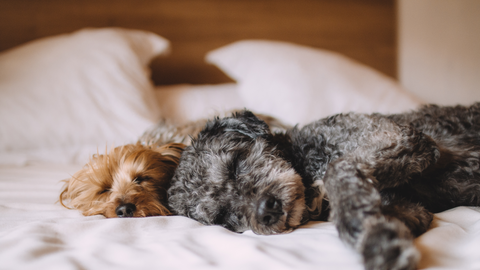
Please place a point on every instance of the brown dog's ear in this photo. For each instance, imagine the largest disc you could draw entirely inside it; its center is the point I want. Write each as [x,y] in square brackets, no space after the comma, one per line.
[171,149]
[63,195]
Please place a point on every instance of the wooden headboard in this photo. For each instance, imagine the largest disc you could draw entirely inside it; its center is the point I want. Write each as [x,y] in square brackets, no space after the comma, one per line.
[362,29]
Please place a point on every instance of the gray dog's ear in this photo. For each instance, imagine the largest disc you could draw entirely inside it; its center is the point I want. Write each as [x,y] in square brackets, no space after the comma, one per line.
[246,123]
[240,123]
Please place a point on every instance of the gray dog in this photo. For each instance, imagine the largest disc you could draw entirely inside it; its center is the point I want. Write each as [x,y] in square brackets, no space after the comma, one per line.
[378,177]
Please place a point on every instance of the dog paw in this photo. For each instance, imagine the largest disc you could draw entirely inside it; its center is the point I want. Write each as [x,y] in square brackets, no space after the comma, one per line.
[389,246]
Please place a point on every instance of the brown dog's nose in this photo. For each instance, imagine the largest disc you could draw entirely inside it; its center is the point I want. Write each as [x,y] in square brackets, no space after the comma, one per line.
[125,210]
[269,210]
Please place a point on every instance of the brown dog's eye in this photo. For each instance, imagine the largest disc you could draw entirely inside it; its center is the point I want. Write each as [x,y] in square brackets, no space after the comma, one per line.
[103,191]
[140,179]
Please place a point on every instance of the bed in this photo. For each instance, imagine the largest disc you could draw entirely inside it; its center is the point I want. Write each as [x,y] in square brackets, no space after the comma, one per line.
[84,76]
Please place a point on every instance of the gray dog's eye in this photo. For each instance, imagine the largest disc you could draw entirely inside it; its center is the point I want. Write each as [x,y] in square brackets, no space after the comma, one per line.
[232,169]
[234,166]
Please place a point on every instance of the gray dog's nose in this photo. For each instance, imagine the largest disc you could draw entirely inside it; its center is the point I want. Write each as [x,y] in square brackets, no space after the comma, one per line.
[125,210]
[269,210]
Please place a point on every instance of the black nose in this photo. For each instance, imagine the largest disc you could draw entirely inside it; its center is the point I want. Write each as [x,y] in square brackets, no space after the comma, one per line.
[125,210]
[269,210]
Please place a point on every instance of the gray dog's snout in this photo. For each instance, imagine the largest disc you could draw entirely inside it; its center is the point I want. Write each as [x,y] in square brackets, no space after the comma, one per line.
[269,210]
[125,210]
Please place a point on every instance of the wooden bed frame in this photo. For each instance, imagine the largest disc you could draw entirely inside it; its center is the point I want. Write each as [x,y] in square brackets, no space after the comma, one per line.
[364,30]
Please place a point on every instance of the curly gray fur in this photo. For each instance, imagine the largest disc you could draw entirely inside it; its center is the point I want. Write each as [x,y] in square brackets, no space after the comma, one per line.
[167,132]
[378,178]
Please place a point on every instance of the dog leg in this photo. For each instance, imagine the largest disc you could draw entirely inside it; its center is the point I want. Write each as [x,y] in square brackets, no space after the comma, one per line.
[413,215]
[385,244]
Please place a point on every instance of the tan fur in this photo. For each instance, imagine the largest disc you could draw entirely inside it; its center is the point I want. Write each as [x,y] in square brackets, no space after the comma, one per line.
[133,173]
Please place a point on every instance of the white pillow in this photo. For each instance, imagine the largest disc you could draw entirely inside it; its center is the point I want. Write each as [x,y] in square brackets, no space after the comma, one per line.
[300,84]
[184,103]
[85,89]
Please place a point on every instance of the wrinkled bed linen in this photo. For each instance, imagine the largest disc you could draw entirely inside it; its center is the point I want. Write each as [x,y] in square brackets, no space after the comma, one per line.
[38,233]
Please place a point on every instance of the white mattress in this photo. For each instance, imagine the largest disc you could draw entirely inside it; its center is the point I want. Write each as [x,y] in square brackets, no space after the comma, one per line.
[38,233]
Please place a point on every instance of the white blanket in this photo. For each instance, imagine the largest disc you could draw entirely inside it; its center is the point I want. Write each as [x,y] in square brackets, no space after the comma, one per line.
[37,233]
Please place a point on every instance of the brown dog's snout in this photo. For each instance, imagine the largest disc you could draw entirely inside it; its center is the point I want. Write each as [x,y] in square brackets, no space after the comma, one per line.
[125,210]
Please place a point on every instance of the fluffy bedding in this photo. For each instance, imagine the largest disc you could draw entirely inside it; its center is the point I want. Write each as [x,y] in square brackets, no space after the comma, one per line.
[66,97]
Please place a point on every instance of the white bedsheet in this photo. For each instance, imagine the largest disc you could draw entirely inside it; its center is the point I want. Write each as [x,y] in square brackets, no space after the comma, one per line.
[37,233]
